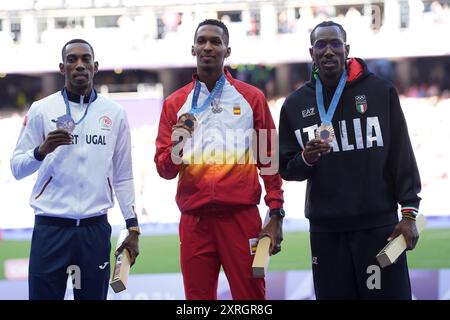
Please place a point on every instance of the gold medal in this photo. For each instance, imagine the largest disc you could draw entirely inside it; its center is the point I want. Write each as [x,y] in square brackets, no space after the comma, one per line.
[325,132]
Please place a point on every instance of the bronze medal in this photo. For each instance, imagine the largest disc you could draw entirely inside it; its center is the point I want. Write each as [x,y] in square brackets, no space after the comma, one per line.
[325,132]
[189,121]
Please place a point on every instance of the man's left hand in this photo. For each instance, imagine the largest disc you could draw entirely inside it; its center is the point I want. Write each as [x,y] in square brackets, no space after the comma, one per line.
[131,243]
[407,227]
[273,229]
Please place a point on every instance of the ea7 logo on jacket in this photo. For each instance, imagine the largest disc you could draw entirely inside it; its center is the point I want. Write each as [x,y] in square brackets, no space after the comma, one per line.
[308,112]
[361,103]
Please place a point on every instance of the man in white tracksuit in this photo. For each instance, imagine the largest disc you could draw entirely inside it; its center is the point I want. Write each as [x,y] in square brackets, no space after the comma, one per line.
[79,142]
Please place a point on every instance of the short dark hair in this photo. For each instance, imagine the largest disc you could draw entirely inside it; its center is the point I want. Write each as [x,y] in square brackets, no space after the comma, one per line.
[63,51]
[214,22]
[328,24]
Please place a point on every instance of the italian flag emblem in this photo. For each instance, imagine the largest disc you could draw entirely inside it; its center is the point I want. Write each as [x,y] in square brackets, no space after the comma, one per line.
[361,104]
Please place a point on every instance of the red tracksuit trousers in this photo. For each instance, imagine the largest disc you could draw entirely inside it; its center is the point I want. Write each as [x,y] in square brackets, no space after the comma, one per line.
[216,236]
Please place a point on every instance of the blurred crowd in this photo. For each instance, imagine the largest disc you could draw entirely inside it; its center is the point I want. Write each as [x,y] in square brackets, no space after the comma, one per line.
[427,77]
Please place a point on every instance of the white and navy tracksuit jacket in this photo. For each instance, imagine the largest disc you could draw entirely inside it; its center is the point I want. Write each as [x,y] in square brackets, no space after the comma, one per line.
[77,181]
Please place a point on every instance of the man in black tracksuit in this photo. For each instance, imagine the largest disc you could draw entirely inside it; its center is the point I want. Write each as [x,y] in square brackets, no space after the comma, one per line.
[357,179]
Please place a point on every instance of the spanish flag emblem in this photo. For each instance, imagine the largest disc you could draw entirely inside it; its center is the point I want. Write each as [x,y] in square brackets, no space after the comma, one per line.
[237,110]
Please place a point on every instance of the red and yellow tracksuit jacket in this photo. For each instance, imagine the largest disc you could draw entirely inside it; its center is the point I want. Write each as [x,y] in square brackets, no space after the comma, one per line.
[218,166]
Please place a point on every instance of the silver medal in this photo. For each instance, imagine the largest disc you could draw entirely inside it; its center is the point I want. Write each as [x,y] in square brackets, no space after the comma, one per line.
[65,122]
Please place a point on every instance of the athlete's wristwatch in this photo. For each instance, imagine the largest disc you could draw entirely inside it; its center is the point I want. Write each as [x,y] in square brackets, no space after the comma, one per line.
[278,212]
[135,229]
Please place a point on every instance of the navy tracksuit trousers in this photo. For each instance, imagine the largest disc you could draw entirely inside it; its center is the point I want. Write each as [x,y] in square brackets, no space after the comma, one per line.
[345,267]
[59,248]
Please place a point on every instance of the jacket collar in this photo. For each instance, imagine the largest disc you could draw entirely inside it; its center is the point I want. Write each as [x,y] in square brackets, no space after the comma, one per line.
[356,69]
[76,98]
[225,70]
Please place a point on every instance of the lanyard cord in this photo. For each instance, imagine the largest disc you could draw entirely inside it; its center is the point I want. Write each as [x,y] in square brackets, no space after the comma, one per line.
[66,101]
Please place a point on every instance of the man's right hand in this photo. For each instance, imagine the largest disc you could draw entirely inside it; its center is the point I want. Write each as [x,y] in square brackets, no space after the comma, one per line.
[314,149]
[179,135]
[55,139]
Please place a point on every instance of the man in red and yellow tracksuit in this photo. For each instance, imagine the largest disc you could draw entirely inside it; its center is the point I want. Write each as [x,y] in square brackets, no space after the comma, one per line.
[218,184]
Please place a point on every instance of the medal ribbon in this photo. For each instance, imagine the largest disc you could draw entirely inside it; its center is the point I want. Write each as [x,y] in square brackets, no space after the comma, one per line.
[212,95]
[326,117]
[66,101]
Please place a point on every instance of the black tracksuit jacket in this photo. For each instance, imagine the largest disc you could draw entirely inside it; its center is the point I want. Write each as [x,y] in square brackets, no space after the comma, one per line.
[371,167]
